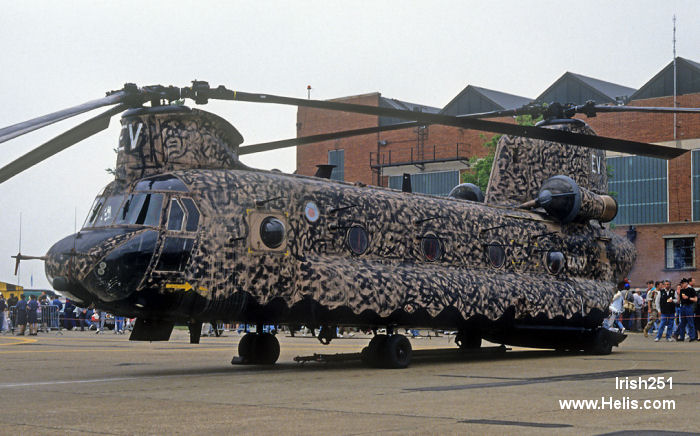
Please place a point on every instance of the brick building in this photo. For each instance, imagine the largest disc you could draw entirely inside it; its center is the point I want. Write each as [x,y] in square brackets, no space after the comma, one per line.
[659,200]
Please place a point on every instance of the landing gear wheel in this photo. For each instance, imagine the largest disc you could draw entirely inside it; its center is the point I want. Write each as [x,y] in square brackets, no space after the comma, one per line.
[397,352]
[602,345]
[267,349]
[467,340]
[371,353]
[245,348]
[256,348]
[387,352]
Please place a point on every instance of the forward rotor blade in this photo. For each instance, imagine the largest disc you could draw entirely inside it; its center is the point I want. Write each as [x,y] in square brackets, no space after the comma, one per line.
[597,142]
[18,129]
[274,145]
[61,142]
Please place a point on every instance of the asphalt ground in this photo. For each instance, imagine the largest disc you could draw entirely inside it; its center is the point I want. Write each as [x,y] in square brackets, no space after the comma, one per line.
[80,382]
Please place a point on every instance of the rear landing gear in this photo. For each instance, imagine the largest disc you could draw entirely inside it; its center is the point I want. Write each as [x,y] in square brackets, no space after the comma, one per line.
[257,348]
[468,340]
[603,342]
[387,351]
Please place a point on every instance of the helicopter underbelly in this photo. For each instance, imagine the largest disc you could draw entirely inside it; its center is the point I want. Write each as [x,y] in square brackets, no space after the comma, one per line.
[341,290]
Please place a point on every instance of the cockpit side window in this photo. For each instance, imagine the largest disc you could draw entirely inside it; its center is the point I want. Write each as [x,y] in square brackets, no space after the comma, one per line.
[192,215]
[176,216]
[94,210]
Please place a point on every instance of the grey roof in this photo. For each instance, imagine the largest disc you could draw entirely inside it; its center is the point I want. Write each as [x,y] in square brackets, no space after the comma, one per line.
[403,105]
[612,90]
[693,63]
[577,88]
[661,85]
[474,99]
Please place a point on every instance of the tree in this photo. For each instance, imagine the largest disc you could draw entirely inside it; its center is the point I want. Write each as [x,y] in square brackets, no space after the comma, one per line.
[480,167]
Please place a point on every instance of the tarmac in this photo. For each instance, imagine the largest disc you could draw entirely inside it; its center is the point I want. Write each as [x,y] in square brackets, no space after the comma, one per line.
[80,382]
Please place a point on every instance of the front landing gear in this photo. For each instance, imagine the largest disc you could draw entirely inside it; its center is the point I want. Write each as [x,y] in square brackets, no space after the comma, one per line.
[387,351]
[257,348]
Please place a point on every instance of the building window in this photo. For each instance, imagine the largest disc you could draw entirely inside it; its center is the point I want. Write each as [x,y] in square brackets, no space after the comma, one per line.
[439,183]
[695,184]
[337,158]
[641,186]
[680,252]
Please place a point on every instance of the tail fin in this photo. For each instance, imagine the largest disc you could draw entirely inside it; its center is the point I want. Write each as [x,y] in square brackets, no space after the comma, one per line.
[521,165]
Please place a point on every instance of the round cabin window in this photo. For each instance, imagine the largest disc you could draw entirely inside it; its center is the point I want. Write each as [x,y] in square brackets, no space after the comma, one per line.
[357,239]
[496,255]
[431,247]
[555,262]
[272,232]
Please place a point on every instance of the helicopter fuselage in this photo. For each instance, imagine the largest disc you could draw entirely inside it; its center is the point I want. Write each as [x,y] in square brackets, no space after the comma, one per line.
[266,247]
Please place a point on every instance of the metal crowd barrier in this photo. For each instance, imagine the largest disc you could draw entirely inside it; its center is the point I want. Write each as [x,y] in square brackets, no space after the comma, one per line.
[48,318]
[13,318]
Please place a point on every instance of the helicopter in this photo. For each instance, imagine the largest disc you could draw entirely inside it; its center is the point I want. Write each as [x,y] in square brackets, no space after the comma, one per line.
[186,233]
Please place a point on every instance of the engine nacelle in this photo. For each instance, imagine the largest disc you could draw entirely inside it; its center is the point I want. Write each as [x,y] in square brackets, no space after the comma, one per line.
[563,199]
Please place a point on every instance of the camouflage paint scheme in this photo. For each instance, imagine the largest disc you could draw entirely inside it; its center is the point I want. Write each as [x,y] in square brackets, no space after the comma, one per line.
[522,164]
[314,278]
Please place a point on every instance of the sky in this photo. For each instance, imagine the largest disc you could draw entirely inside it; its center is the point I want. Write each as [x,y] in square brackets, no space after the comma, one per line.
[60,54]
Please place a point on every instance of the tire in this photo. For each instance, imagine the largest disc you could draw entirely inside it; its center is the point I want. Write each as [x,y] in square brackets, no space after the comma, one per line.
[467,341]
[601,345]
[371,354]
[396,352]
[246,346]
[267,349]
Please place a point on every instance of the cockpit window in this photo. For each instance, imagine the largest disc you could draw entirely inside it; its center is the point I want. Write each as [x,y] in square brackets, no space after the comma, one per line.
[164,182]
[92,215]
[192,215]
[142,209]
[176,216]
[108,211]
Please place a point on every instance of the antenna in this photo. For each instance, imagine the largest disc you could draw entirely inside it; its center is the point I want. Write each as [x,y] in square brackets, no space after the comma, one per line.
[675,102]
[308,92]
[20,246]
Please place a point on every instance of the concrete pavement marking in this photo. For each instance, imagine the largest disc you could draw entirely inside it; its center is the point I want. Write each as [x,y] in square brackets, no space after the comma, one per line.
[19,340]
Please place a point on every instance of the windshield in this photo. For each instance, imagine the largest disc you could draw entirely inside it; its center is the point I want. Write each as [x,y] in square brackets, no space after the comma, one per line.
[103,211]
[142,209]
[92,214]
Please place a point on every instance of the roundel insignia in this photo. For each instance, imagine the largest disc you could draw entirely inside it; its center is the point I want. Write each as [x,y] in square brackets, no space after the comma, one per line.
[311,212]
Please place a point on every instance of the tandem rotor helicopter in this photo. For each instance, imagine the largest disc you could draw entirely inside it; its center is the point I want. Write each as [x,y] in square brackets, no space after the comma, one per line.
[186,233]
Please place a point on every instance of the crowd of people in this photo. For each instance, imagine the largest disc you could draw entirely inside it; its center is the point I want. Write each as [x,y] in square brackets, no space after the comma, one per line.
[20,315]
[658,309]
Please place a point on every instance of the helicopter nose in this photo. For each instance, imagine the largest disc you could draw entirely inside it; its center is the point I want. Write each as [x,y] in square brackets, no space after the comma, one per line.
[104,264]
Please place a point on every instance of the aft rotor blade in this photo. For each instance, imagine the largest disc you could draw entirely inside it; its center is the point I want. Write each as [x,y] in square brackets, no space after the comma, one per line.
[19,129]
[597,142]
[61,142]
[670,110]
[274,145]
